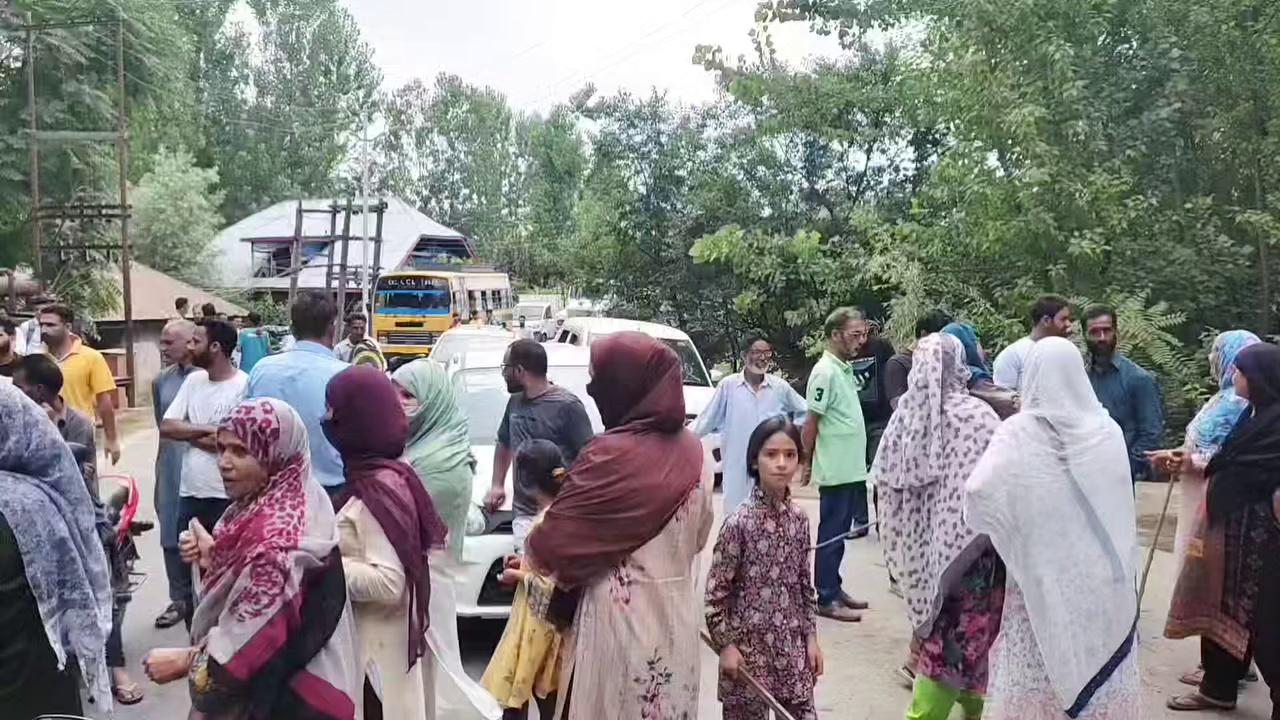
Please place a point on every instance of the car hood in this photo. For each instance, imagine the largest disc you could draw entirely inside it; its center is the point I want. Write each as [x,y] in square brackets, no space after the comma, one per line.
[484,476]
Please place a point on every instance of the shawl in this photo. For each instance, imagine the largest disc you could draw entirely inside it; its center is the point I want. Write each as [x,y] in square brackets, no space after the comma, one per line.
[368,428]
[273,616]
[1246,471]
[973,357]
[439,447]
[1210,427]
[44,499]
[627,482]
[928,451]
[1053,493]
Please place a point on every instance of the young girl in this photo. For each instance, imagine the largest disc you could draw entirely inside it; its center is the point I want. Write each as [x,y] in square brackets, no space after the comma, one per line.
[759,609]
[526,662]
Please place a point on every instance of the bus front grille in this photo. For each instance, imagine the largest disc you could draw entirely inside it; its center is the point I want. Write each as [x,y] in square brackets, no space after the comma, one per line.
[411,338]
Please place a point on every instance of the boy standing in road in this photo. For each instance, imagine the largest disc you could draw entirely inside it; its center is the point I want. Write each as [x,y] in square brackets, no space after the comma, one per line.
[835,441]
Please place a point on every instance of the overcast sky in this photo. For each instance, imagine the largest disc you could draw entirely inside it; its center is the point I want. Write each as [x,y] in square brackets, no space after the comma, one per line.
[537,52]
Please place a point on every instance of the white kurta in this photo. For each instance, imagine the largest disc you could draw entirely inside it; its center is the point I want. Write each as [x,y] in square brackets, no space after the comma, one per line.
[376,587]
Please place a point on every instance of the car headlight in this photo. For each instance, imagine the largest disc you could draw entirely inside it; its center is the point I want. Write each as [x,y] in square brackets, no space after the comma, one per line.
[382,338]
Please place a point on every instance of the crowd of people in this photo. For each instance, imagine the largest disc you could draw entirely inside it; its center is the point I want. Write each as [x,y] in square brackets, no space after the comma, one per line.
[312,513]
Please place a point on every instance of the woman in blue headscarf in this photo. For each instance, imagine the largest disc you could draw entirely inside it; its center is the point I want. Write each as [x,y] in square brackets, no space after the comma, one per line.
[1002,400]
[1205,435]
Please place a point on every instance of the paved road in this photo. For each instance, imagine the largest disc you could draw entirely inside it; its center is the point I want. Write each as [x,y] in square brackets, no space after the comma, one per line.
[859,684]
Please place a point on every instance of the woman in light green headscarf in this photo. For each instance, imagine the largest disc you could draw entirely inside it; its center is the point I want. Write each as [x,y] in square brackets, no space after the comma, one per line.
[439,447]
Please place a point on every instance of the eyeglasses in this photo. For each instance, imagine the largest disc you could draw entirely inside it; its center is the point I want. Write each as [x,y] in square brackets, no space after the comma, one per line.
[760,354]
[857,334]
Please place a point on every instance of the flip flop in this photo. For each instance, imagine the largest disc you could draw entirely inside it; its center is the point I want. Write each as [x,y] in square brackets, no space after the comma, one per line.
[1193,678]
[1195,702]
[129,694]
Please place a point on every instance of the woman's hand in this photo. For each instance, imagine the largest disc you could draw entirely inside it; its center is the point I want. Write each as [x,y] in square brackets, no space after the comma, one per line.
[195,545]
[730,662]
[815,656]
[165,665]
[1168,461]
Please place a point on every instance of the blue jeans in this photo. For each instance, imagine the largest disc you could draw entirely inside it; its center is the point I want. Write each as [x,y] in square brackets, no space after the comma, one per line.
[839,507]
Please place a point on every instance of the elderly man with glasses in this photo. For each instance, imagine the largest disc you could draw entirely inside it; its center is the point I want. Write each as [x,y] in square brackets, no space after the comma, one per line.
[741,402]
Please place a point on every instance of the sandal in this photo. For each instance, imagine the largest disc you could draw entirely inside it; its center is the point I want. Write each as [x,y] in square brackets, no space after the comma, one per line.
[1195,702]
[1193,678]
[127,694]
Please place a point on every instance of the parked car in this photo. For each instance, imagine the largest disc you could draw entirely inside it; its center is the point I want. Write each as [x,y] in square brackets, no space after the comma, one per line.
[699,384]
[469,337]
[476,375]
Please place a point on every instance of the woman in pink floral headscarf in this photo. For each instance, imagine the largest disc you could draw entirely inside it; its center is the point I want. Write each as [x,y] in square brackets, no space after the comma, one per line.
[272,632]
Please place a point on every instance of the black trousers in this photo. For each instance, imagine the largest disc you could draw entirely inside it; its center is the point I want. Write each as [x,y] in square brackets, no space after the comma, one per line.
[1223,672]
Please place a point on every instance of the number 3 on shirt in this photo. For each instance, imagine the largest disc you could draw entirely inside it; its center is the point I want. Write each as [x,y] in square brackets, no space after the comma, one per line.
[817,394]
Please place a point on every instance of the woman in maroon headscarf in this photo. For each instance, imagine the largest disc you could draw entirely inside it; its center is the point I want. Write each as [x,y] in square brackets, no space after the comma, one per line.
[386,526]
[633,514]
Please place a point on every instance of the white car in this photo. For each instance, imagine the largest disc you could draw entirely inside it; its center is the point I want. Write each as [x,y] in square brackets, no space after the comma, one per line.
[539,319]
[482,395]
[469,337]
[699,385]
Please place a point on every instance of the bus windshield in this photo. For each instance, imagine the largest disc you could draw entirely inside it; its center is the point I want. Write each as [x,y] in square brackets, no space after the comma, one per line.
[413,302]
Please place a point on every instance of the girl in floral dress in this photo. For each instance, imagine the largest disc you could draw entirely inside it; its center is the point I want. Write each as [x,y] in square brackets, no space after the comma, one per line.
[758,595]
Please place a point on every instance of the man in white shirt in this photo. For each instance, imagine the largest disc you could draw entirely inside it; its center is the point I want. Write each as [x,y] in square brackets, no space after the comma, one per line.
[207,396]
[357,332]
[1050,317]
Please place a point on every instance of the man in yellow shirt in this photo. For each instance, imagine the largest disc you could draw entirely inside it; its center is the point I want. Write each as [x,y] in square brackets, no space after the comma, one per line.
[87,384]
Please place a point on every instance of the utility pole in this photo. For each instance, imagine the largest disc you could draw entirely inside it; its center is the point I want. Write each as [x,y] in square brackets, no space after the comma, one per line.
[365,307]
[122,159]
[37,251]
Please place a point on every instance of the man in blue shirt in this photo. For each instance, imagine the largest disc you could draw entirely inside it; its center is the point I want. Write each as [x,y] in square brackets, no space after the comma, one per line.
[300,375]
[742,402]
[1128,392]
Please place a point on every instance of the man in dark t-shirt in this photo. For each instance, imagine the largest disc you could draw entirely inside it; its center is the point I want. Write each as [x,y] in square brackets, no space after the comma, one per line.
[869,372]
[537,410]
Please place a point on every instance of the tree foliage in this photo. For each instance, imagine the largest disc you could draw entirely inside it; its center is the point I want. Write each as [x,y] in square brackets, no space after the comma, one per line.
[176,216]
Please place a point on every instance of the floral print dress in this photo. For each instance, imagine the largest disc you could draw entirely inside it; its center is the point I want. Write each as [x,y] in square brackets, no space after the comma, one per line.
[759,599]
[633,651]
[955,652]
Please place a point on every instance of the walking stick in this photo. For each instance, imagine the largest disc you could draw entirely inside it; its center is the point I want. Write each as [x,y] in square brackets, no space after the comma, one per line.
[1151,553]
[851,535]
[779,711]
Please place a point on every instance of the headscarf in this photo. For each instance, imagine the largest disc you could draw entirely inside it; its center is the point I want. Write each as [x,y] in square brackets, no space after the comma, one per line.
[274,607]
[930,447]
[1247,468]
[368,429]
[1210,427]
[439,447]
[44,500]
[628,482]
[968,337]
[1053,493]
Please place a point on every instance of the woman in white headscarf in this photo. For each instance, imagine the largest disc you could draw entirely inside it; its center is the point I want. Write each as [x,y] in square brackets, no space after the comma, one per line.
[1053,493]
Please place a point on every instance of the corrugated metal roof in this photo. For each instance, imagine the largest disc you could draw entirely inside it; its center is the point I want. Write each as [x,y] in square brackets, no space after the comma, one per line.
[402,227]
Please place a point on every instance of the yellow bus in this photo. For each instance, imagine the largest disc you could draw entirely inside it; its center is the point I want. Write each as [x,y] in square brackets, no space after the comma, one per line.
[411,308]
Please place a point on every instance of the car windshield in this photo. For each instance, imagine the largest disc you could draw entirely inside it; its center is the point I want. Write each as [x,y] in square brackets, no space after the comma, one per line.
[691,366]
[528,312]
[482,395]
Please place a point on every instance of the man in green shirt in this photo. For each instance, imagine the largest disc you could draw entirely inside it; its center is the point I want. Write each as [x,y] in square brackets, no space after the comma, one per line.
[835,441]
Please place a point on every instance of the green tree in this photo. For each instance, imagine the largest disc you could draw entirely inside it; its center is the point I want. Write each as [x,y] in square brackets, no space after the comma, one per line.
[176,216]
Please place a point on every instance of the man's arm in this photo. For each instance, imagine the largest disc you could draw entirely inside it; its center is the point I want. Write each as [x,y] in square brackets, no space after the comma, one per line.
[501,463]
[713,416]
[794,405]
[107,411]
[103,386]
[809,438]
[175,426]
[1149,410]
[895,380]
